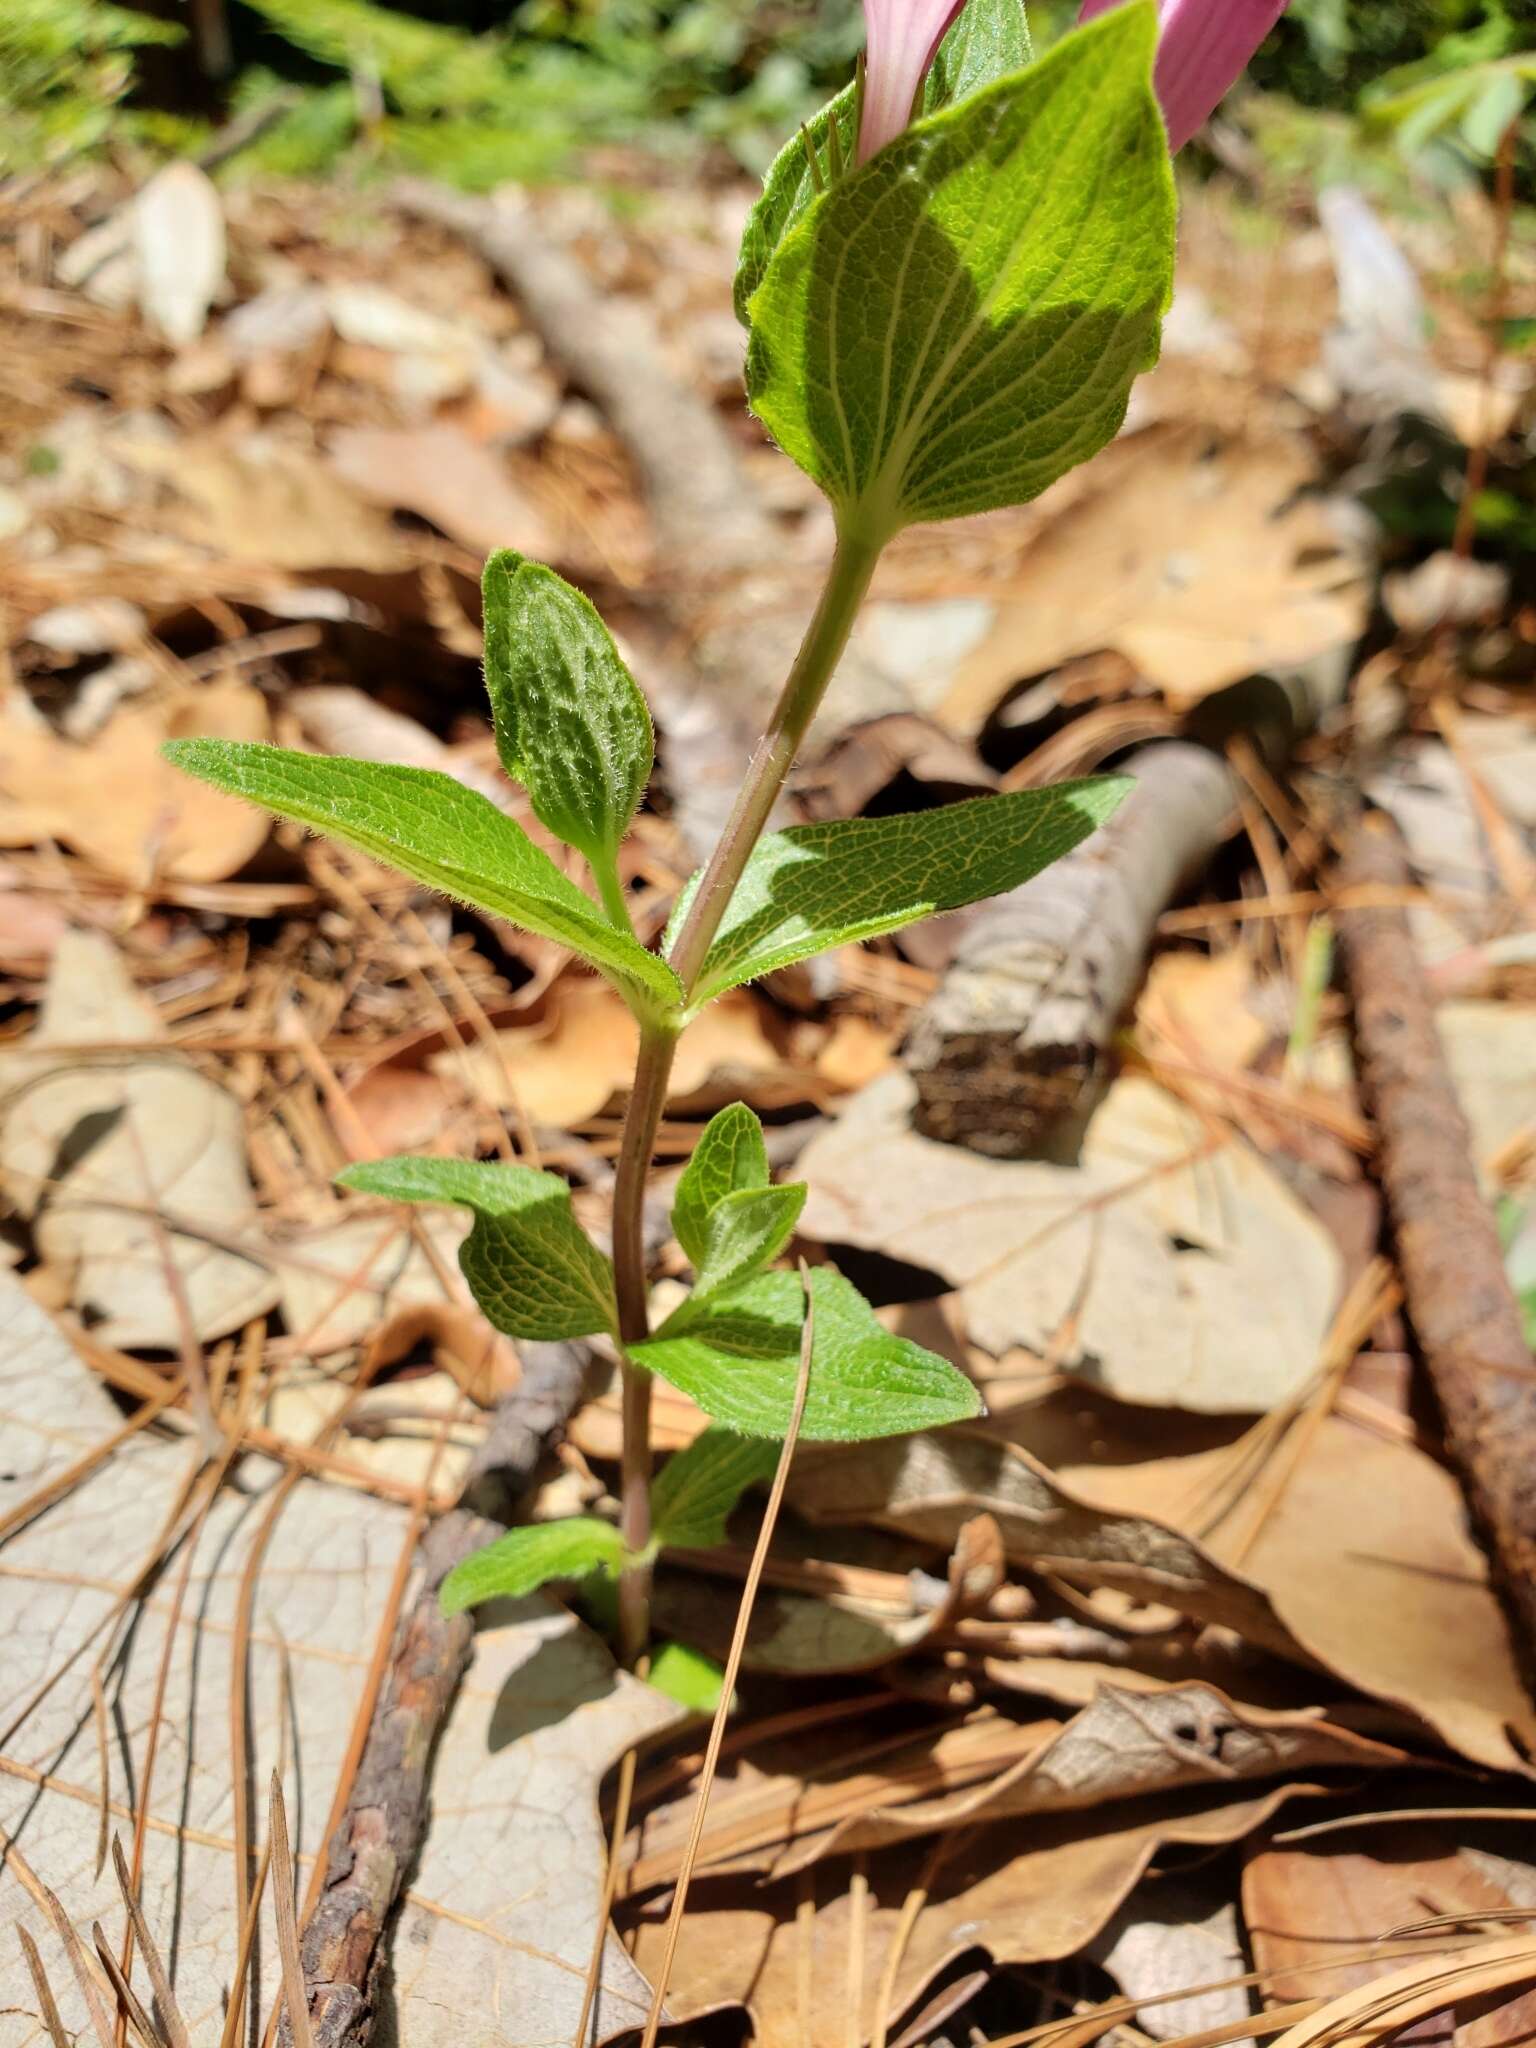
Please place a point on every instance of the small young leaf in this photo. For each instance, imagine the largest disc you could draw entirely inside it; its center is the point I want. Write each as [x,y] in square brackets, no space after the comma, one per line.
[790,186]
[687,1676]
[525,1559]
[816,886]
[571,724]
[988,40]
[729,1157]
[530,1265]
[692,1500]
[745,1232]
[740,1362]
[438,832]
[959,322]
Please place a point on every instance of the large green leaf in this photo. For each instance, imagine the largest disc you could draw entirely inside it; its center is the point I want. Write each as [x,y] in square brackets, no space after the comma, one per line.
[530,1265]
[741,1362]
[525,1559]
[816,886]
[438,832]
[571,724]
[692,1500]
[729,1157]
[959,323]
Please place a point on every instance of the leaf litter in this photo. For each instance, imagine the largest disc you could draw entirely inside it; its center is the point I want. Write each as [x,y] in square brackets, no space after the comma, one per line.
[1035,1694]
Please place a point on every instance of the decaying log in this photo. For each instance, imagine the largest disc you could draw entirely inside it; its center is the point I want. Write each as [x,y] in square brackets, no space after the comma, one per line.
[380,1832]
[1459,1298]
[1020,1024]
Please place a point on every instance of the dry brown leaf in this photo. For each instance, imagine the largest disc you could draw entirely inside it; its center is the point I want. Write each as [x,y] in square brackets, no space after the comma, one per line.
[1303,1905]
[541,1716]
[569,1066]
[131,1165]
[1198,1007]
[797,1806]
[1178,1933]
[1365,1560]
[1169,1266]
[928,1486]
[800,1635]
[1019,1898]
[261,502]
[440,473]
[1415,1991]
[115,800]
[1202,567]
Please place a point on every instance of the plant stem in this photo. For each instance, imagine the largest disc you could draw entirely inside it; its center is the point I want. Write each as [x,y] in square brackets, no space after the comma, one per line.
[827,635]
[848,580]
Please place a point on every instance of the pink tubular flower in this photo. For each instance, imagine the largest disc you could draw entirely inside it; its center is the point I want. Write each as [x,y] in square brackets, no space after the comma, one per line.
[1202,52]
[902,39]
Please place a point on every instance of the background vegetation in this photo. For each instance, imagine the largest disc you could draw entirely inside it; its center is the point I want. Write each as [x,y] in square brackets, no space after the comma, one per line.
[476,92]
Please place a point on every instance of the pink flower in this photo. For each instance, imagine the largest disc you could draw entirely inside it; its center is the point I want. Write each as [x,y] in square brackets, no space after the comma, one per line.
[1204,48]
[902,39]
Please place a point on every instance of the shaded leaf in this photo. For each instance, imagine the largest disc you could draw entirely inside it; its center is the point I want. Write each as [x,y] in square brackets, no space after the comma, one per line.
[438,832]
[816,886]
[571,724]
[957,324]
[530,1265]
[525,1559]
[739,1358]
[989,40]
[698,1488]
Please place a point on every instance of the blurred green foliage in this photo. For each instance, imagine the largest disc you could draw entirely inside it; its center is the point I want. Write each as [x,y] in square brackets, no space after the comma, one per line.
[474,92]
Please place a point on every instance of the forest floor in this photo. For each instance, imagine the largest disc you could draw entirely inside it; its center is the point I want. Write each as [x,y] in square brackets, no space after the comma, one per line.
[1182,1680]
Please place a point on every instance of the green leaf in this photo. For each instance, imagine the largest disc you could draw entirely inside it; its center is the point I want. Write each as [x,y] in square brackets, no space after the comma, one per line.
[741,1361]
[729,1157]
[816,886]
[525,1559]
[957,324]
[530,1265]
[698,1488]
[988,40]
[744,1233]
[438,832]
[571,724]
[687,1676]
[790,186]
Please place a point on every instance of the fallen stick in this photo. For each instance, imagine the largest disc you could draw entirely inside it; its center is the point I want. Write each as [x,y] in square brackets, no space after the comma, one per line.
[1020,1025]
[706,514]
[380,1832]
[1459,1298]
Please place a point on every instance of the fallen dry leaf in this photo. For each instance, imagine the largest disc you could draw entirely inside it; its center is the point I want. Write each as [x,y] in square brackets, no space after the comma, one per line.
[131,1164]
[1178,1933]
[1365,1560]
[567,1067]
[477,1963]
[261,502]
[440,473]
[1304,1905]
[115,800]
[1200,566]
[1018,1898]
[178,241]
[928,1486]
[1169,1266]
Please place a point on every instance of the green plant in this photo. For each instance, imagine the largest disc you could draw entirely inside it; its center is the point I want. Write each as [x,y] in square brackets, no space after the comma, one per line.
[64,67]
[939,329]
